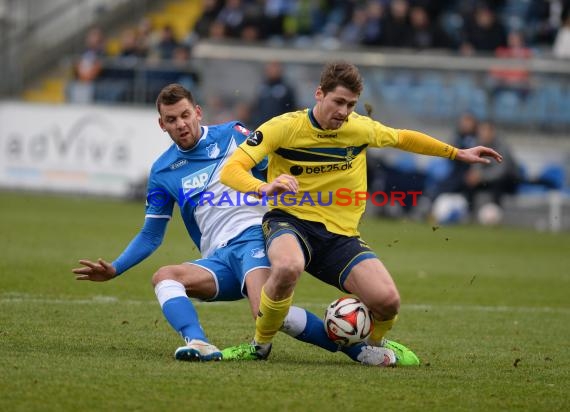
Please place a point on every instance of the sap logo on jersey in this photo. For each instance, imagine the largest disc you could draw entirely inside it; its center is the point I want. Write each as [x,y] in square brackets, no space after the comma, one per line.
[197,180]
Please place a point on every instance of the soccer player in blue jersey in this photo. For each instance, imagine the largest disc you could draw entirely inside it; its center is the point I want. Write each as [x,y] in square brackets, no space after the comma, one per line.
[220,221]
[322,152]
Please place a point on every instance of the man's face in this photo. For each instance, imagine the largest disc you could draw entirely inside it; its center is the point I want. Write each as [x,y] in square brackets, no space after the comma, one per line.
[182,122]
[332,109]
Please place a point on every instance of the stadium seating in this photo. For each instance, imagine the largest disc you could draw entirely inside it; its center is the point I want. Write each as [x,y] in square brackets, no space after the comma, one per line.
[181,15]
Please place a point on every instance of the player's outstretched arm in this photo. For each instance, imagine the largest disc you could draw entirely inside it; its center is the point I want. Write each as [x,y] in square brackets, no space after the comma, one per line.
[478,154]
[143,245]
[99,271]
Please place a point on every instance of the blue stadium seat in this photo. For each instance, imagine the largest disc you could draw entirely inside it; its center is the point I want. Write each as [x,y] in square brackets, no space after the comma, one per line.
[474,100]
[437,170]
[507,107]
[553,176]
[405,162]
[420,102]
[395,89]
[548,106]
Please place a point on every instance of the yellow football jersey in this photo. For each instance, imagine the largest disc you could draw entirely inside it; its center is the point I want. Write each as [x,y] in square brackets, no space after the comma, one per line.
[330,165]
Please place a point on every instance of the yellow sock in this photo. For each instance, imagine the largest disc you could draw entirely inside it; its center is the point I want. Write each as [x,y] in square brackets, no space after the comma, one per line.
[381,327]
[270,317]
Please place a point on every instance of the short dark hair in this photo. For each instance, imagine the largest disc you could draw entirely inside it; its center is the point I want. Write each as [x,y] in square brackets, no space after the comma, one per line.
[341,73]
[172,94]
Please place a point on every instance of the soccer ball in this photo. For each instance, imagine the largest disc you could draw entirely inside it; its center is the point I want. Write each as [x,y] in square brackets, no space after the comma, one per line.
[450,208]
[348,321]
[490,214]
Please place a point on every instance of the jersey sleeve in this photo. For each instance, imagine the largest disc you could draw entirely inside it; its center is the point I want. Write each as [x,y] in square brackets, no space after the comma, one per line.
[265,140]
[236,173]
[241,132]
[143,244]
[252,153]
[159,202]
[159,207]
[260,169]
[417,142]
[383,135]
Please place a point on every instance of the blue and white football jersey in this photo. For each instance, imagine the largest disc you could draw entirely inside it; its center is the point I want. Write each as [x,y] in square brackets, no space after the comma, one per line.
[191,178]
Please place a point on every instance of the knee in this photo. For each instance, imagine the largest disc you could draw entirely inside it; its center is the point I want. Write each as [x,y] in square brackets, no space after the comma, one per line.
[287,269]
[392,303]
[164,273]
[387,305]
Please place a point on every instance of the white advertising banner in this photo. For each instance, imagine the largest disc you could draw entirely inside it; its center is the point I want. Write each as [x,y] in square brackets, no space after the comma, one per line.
[77,149]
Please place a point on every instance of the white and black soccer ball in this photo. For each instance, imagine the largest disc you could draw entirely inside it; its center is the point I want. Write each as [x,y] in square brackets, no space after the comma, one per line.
[348,321]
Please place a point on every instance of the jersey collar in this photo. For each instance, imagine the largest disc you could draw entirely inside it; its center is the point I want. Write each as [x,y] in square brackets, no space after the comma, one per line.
[204,130]
[314,120]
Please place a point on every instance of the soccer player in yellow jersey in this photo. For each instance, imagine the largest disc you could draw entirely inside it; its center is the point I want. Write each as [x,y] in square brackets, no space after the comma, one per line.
[316,191]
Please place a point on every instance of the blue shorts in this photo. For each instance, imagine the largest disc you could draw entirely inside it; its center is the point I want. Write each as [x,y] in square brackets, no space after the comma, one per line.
[230,265]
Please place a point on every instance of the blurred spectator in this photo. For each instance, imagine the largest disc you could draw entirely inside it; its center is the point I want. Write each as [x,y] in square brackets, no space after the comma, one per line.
[542,20]
[424,33]
[397,29]
[250,32]
[275,96]
[274,17]
[89,64]
[365,25]
[561,48]
[185,74]
[434,8]
[217,31]
[465,136]
[514,79]
[483,32]
[177,70]
[232,16]
[300,22]
[147,37]
[337,13]
[491,182]
[116,81]
[353,33]
[253,28]
[87,68]
[210,10]
[130,46]
[164,49]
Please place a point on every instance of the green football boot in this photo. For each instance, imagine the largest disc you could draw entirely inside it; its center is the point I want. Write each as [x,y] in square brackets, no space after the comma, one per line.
[404,356]
[246,351]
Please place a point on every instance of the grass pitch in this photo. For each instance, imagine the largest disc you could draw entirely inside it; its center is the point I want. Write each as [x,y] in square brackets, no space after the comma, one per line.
[486,309]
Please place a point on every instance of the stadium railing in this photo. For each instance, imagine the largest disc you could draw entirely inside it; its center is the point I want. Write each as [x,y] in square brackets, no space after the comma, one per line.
[426,86]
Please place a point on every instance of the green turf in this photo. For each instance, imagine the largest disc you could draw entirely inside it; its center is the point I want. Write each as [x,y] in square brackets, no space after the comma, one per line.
[487,310]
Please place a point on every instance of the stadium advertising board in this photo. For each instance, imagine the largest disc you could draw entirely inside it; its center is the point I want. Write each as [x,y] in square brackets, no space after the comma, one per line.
[77,149]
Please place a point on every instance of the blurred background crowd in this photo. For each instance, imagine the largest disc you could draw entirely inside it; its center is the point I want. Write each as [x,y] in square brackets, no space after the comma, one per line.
[507,28]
